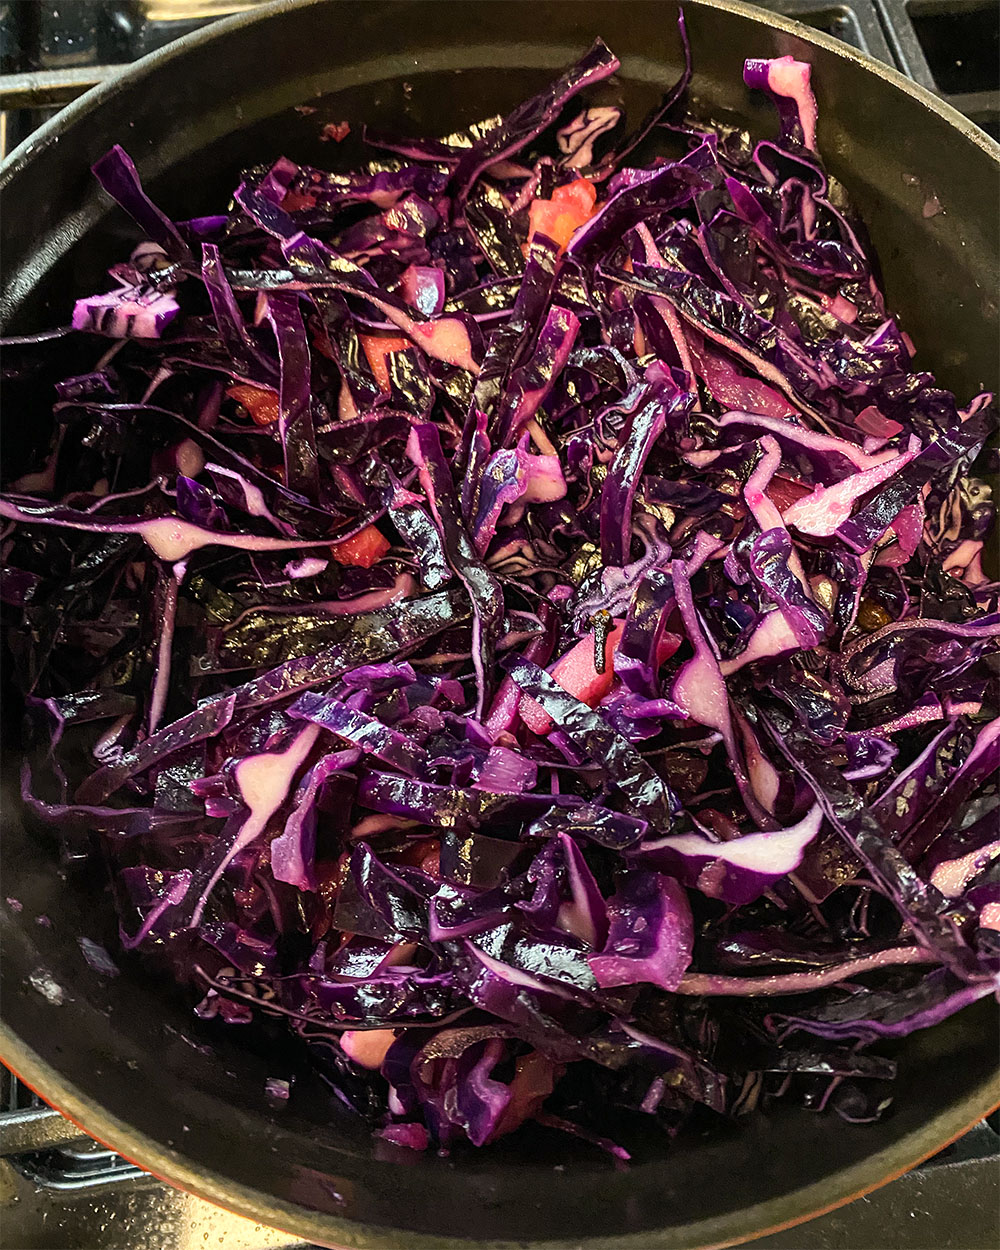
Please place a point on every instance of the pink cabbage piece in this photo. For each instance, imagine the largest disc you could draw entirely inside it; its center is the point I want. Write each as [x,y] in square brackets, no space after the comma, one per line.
[739,871]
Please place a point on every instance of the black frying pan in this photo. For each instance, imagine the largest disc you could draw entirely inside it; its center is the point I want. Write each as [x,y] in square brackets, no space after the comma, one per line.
[124,1057]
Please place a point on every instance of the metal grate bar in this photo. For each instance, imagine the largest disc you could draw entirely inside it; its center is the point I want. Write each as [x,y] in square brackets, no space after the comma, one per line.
[854,21]
[50,88]
[78,1167]
[901,19]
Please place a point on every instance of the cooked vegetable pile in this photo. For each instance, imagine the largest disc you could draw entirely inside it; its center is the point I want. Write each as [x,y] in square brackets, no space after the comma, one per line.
[523,617]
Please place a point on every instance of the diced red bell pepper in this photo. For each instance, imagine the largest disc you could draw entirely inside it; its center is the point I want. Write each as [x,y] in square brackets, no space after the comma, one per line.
[667,645]
[294,200]
[425,854]
[576,673]
[871,421]
[337,131]
[431,863]
[377,347]
[363,550]
[367,1047]
[559,218]
[321,342]
[581,195]
[260,401]
[783,492]
[535,1076]
[413,852]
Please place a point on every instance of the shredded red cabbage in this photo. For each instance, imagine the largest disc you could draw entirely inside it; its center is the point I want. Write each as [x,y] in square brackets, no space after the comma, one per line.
[524,614]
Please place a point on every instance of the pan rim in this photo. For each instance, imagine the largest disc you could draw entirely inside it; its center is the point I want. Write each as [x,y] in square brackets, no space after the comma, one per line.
[777,1213]
[713,1233]
[138,70]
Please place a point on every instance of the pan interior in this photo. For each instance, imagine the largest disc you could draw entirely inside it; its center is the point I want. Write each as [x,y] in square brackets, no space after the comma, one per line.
[124,1054]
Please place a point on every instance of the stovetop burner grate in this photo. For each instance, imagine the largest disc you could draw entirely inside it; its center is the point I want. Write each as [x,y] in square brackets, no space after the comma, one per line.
[952,47]
[853,21]
[79,1166]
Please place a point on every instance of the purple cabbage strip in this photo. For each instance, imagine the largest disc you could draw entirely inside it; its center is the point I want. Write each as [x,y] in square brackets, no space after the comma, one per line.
[530,118]
[484,591]
[295,424]
[644,793]
[737,872]
[651,933]
[118,176]
[647,418]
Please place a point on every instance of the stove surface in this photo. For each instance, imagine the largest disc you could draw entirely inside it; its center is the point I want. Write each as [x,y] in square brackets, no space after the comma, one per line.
[62,1191]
